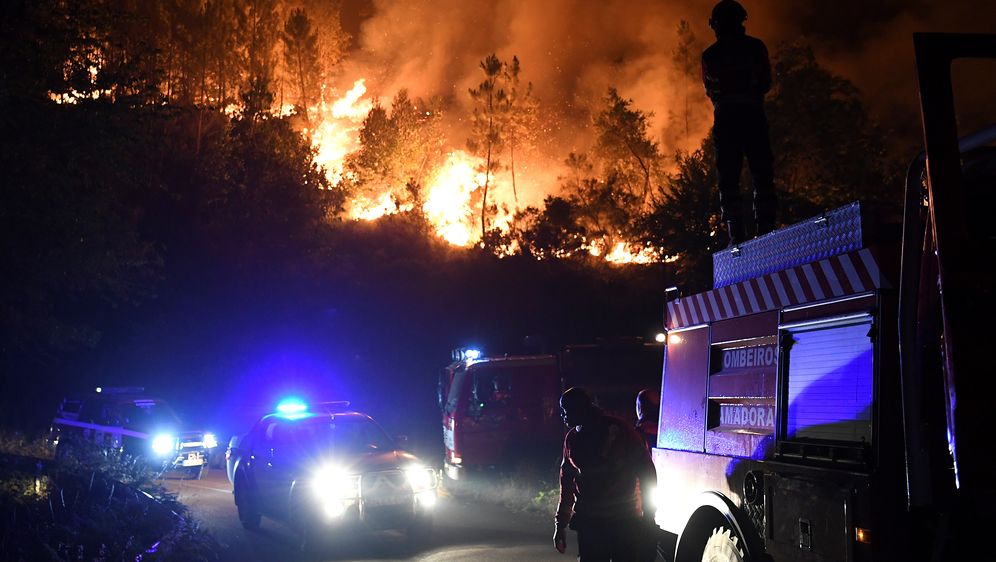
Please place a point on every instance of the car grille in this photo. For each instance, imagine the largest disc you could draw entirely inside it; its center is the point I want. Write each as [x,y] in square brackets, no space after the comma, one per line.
[384,483]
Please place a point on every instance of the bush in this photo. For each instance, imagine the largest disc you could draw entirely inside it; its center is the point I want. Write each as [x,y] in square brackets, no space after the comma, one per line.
[525,488]
[92,505]
[17,443]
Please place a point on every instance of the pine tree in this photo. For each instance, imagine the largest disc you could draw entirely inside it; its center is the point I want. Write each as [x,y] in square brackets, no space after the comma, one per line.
[301,57]
[486,135]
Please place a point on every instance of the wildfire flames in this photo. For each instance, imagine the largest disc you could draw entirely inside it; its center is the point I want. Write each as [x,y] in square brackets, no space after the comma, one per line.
[450,205]
[447,205]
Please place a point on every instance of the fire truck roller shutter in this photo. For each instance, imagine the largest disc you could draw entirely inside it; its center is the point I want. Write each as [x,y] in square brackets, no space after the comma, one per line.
[717,530]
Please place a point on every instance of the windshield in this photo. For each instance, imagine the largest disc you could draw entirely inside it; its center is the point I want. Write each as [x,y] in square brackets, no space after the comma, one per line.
[455,388]
[142,414]
[149,415]
[342,434]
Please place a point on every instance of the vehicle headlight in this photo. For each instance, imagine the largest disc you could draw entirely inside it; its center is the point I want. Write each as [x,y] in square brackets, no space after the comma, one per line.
[421,478]
[210,441]
[335,488]
[163,444]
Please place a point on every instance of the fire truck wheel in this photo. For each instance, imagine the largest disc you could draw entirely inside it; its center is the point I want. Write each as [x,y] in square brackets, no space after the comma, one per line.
[723,545]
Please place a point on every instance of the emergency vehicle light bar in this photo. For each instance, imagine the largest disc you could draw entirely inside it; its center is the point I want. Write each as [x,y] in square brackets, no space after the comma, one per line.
[119,389]
[291,406]
[466,354]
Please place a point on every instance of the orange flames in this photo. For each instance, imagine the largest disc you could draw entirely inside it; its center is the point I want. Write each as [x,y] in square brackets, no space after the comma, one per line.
[448,191]
[451,204]
[447,205]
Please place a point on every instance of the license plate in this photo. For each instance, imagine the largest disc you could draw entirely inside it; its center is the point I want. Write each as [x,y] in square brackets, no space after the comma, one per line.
[193,459]
[381,501]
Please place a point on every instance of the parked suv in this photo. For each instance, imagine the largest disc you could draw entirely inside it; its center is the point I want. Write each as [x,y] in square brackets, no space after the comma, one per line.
[327,468]
[135,423]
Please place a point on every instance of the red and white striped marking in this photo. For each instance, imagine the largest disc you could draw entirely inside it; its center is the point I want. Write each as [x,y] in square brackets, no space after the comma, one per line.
[846,274]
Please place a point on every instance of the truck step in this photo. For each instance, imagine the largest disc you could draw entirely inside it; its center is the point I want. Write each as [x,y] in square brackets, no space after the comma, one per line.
[832,233]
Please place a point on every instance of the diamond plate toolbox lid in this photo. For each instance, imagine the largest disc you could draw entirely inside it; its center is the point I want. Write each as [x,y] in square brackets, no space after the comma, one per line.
[832,233]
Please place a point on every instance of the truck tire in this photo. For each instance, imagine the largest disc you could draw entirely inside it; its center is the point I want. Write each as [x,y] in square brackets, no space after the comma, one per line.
[710,537]
[723,546]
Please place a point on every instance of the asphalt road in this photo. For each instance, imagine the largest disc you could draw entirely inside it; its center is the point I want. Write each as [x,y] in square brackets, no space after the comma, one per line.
[462,531]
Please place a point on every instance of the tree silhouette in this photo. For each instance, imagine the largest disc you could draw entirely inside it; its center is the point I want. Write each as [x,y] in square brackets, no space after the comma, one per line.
[396,151]
[261,39]
[521,121]
[624,147]
[486,139]
[686,62]
[828,152]
[301,57]
[554,231]
[683,222]
[332,40]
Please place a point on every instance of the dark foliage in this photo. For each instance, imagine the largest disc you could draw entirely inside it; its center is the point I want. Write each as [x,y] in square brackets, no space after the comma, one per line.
[100,506]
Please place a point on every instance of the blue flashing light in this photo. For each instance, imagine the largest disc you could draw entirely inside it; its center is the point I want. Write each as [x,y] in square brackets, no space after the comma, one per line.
[472,354]
[292,408]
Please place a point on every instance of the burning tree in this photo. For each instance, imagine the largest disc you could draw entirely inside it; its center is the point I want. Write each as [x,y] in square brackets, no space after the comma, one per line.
[521,121]
[332,41]
[397,151]
[486,138]
[624,147]
[301,57]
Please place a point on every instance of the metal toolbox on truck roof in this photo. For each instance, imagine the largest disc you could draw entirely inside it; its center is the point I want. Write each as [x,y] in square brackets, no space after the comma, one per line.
[832,233]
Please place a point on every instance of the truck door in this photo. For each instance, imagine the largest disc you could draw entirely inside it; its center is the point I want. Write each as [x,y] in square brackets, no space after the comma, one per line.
[683,391]
[487,425]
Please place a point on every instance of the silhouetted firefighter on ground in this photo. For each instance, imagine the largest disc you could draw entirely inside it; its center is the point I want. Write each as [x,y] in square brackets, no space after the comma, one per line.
[606,479]
[737,75]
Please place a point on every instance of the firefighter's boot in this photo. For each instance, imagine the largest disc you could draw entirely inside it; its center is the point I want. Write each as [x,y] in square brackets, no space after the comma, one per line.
[735,229]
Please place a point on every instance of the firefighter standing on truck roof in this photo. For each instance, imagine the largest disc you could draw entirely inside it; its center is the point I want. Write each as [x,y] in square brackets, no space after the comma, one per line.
[606,479]
[737,74]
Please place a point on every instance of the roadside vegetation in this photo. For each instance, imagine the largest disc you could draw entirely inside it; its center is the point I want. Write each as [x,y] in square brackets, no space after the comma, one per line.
[98,505]
[532,487]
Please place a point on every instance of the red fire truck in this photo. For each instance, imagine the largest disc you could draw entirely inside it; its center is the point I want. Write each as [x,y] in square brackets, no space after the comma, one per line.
[829,398]
[499,411]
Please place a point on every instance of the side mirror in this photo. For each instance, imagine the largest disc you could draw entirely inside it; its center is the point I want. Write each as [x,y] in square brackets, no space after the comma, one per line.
[233,446]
